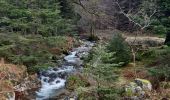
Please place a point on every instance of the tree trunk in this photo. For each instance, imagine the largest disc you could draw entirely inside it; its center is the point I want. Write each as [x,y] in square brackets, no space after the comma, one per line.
[92,31]
[134,61]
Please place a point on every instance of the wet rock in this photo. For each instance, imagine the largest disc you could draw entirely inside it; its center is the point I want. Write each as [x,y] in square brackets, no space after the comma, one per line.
[45,79]
[55,69]
[39,74]
[66,52]
[53,75]
[67,64]
[83,49]
[50,80]
[57,81]
[62,75]
[44,73]
[81,55]
[75,62]
[71,56]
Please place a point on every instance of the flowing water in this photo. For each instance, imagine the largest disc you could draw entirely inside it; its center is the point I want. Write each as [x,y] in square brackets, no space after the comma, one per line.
[53,80]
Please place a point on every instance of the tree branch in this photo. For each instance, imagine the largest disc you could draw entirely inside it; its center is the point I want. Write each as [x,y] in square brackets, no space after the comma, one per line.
[147,20]
[78,2]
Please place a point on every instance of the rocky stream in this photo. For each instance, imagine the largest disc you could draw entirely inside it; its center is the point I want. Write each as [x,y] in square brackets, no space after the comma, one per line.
[53,80]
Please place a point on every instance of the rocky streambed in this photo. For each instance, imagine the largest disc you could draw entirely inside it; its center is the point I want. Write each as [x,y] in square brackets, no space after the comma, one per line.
[53,80]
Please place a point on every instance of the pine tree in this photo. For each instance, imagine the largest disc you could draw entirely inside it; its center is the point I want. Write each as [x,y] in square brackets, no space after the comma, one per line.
[120,47]
[101,65]
[67,9]
[34,17]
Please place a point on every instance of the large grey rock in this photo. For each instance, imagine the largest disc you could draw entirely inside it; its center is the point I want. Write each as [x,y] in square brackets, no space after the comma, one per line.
[144,84]
[138,89]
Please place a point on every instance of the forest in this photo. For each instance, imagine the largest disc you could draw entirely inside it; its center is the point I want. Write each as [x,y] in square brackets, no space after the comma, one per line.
[84,49]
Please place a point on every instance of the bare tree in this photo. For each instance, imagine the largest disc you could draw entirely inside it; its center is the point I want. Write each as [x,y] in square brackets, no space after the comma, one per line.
[141,17]
[91,11]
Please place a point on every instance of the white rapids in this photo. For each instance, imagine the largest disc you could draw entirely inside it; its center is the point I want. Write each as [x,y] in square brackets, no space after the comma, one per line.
[54,79]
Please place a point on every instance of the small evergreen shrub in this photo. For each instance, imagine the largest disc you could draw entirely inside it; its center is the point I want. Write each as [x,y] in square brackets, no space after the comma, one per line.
[120,47]
[101,66]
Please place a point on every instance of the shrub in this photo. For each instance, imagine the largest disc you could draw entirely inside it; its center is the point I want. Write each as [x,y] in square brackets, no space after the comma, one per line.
[161,66]
[120,47]
[109,93]
[162,73]
[160,29]
[156,53]
[32,51]
[75,81]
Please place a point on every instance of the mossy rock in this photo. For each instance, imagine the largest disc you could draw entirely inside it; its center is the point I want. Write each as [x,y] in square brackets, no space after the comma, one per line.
[138,88]
[130,89]
[144,84]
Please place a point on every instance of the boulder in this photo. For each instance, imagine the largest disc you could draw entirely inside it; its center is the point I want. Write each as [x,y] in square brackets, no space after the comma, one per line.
[144,84]
[138,88]
[133,90]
